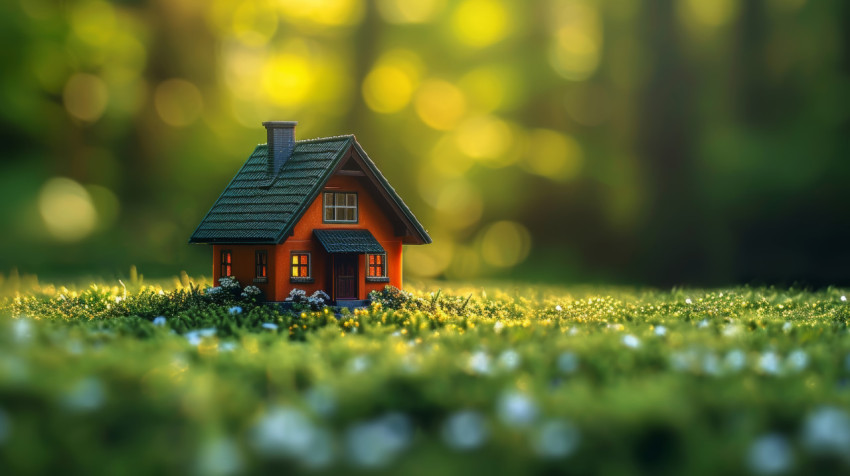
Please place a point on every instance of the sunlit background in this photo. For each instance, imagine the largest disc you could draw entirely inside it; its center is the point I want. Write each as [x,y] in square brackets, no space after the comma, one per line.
[654,141]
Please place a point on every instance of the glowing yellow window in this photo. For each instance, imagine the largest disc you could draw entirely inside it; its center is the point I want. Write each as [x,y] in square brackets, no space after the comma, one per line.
[300,265]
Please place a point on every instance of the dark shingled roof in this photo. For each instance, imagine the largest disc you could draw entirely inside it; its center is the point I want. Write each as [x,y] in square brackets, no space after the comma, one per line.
[348,241]
[255,208]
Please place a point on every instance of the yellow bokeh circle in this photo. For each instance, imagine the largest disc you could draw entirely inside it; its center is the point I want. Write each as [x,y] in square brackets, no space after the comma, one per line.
[504,244]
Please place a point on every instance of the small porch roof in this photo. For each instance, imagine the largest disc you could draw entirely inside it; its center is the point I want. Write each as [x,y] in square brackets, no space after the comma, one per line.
[348,241]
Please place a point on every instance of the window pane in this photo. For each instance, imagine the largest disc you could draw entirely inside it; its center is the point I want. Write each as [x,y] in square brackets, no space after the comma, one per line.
[352,199]
[349,214]
[340,199]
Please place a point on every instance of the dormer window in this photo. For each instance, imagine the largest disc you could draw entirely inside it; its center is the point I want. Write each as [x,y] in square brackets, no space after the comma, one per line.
[340,207]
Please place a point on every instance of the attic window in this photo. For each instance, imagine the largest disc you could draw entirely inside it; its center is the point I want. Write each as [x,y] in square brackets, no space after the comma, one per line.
[340,207]
[226,263]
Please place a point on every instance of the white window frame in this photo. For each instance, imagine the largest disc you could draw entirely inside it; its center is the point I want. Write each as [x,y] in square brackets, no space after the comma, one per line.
[329,203]
[384,277]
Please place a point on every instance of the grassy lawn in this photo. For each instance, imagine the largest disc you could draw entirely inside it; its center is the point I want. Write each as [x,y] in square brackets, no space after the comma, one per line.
[446,379]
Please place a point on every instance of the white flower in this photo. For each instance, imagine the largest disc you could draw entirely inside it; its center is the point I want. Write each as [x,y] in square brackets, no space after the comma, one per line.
[22,330]
[498,326]
[270,326]
[358,364]
[85,396]
[159,321]
[798,360]
[660,331]
[219,457]
[229,283]
[688,301]
[373,444]
[559,308]
[770,454]
[509,360]
[322,450]
[516,409]
[567,362]
[826,431]
[555,439]
[193,337]
[283,431]
[683,361]
[711,364]
[235,310]
[465,430]
[631,341]
[196,336]
[479,363]
[735,360]
[769,363]
[321,400]
[843,298]
[251,291]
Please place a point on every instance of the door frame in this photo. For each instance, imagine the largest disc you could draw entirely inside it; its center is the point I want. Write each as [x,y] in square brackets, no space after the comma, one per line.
[352,257]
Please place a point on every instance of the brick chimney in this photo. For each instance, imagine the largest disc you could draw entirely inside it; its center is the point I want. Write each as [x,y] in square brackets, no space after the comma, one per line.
[281,141]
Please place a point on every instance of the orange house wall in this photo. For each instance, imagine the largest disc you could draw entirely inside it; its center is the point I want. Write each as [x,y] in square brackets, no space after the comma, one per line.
[370,217]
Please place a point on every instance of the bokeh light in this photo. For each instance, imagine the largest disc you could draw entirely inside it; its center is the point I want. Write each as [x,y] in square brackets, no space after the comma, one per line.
[429,261]
[409,11]
[504,243]
[67,209]
[390,84]
[178,102]
[712,14]
[254,23]
[85,97]
[323,13]
[553,155]
[93,22]
[576,46]
[440,104]
[486,138]
[479,23]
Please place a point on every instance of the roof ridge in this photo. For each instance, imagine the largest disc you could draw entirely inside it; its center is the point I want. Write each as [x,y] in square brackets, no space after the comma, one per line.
[317,139]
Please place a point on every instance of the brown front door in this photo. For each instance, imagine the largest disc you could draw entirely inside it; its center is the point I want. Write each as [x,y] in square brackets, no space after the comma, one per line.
[345,276]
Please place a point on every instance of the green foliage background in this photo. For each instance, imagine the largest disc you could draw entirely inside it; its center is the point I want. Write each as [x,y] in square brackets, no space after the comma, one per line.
[650,141]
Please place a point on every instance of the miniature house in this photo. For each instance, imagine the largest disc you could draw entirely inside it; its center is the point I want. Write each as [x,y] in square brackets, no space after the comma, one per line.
[310,214]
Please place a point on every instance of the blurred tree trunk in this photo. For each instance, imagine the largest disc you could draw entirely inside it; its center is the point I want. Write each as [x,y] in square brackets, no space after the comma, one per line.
[673,233]
[366,39]
[750,88]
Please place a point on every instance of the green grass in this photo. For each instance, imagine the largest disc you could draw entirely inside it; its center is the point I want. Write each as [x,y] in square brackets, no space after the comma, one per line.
[458,379]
